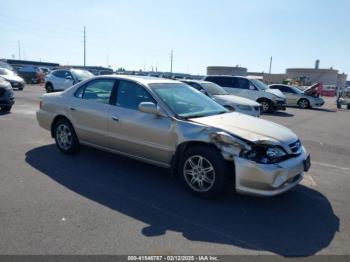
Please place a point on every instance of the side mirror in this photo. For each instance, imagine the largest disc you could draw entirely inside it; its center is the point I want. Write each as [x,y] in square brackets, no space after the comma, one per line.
[251,87]
[69,77]
[150,108]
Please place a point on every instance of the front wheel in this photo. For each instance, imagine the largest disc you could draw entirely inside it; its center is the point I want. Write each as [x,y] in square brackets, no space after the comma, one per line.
[266,106]
[65,137]
[348,107]
[203,171]
[303,103]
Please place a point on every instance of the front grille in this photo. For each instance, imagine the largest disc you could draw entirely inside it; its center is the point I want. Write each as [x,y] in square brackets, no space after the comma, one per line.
[295,147]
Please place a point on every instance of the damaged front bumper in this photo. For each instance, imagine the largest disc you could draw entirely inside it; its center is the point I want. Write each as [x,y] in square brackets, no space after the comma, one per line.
[270,179]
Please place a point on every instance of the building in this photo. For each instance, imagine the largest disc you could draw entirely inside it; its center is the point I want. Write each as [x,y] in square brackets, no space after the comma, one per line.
[269,78]
[20,63]
[309,76]
[227,70]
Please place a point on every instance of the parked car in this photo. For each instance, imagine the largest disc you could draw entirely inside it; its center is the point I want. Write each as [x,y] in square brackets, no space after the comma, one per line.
[253,89]
[221,96]
[6,65]
[170,124]
[7,98]
[344,99]
[13,78]
[296,97]
[30,73]
[61,79]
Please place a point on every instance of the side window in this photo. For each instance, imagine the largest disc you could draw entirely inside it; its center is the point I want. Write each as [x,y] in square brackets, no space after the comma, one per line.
[58,73]
[130,95]
[242,83]
[221,81]
[97,90]
[66,74]
[195,85]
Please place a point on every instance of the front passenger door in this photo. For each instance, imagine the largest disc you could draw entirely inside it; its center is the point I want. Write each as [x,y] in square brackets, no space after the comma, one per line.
[136,133]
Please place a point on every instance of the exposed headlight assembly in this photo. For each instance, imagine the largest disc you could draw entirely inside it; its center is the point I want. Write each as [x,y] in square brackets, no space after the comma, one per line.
[264,154]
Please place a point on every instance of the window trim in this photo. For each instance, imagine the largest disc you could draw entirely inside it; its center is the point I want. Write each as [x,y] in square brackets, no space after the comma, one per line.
[91,82]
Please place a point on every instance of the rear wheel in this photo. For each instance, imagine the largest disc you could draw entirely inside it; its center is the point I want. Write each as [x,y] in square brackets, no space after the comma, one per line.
[304,103]
[49,88]
[348,107]
[65,137]
[203,171]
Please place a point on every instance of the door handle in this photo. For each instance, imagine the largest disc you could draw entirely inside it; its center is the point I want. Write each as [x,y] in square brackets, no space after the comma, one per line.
[115,118]
[72,109]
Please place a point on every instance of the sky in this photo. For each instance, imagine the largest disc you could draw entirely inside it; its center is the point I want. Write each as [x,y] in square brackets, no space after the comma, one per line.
[140,34]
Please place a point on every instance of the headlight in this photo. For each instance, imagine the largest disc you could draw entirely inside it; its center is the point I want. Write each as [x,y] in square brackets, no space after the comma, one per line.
[243,107]
[264,154]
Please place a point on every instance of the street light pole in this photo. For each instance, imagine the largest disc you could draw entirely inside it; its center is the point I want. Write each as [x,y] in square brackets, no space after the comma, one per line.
[84,46]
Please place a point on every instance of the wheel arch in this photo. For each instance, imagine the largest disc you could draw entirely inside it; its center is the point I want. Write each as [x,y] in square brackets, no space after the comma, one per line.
[55,120]
[183,147]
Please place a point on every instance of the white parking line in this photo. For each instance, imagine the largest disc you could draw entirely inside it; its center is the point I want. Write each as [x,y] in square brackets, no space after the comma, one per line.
[331,166]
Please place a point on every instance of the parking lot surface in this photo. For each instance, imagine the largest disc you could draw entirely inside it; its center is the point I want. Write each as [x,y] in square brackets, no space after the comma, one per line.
[99,203]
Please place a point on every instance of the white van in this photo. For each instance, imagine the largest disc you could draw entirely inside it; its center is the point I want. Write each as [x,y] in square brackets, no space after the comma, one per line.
[253,89]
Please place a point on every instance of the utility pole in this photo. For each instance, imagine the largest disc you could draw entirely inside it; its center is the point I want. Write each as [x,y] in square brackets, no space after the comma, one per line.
[19,50]
[84,46]
[270,65]
[171,61]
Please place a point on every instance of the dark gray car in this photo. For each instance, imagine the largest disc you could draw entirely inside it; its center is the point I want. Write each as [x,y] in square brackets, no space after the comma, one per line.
[7,98]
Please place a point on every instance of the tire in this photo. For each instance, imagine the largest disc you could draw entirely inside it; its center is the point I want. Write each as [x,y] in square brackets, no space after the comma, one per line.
[338,105]
[6,108]
[304,103]
[348,107]
[65,137]
[20,89]
[266,106]
[49,88]
[199,182]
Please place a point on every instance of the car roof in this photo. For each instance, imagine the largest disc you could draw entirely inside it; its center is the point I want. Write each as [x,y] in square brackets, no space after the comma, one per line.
[195,81]
[145,80]
[227,76]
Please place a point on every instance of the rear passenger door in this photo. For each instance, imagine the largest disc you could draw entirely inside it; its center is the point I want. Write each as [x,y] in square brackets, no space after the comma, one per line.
[89,111]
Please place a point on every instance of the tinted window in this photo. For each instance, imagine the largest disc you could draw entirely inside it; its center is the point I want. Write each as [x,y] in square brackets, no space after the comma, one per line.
[240,83]
[194,85]
[221,81]
[59,73]
[284,89]
[130,95]
[98,90]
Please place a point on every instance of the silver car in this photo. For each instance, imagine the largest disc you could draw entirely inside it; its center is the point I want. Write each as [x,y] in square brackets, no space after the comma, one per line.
[221,96]
[296,97]
[170,124]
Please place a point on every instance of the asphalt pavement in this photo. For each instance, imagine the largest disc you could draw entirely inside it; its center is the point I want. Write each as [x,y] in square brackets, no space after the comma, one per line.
[99,203]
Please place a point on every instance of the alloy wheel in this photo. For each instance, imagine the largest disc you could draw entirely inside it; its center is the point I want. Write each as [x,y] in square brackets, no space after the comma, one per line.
[199,173]
[64,137]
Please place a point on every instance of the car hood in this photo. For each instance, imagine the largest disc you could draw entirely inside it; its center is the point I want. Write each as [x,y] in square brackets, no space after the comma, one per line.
[276,92]
[249,128]
[12,78]
[236,100]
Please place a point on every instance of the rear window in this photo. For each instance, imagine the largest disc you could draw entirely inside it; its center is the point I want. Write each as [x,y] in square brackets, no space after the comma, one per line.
[221,81]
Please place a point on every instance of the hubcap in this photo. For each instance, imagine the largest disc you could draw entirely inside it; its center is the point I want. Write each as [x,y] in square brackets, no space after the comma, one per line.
[199,173]
[64,136]
[265,106]
[303,104]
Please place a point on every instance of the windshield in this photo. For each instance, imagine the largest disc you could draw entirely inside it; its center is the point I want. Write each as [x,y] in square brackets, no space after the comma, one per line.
[81,75]
[214,89]
[4,72]
[260,85]
[186,101]
[297,90]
